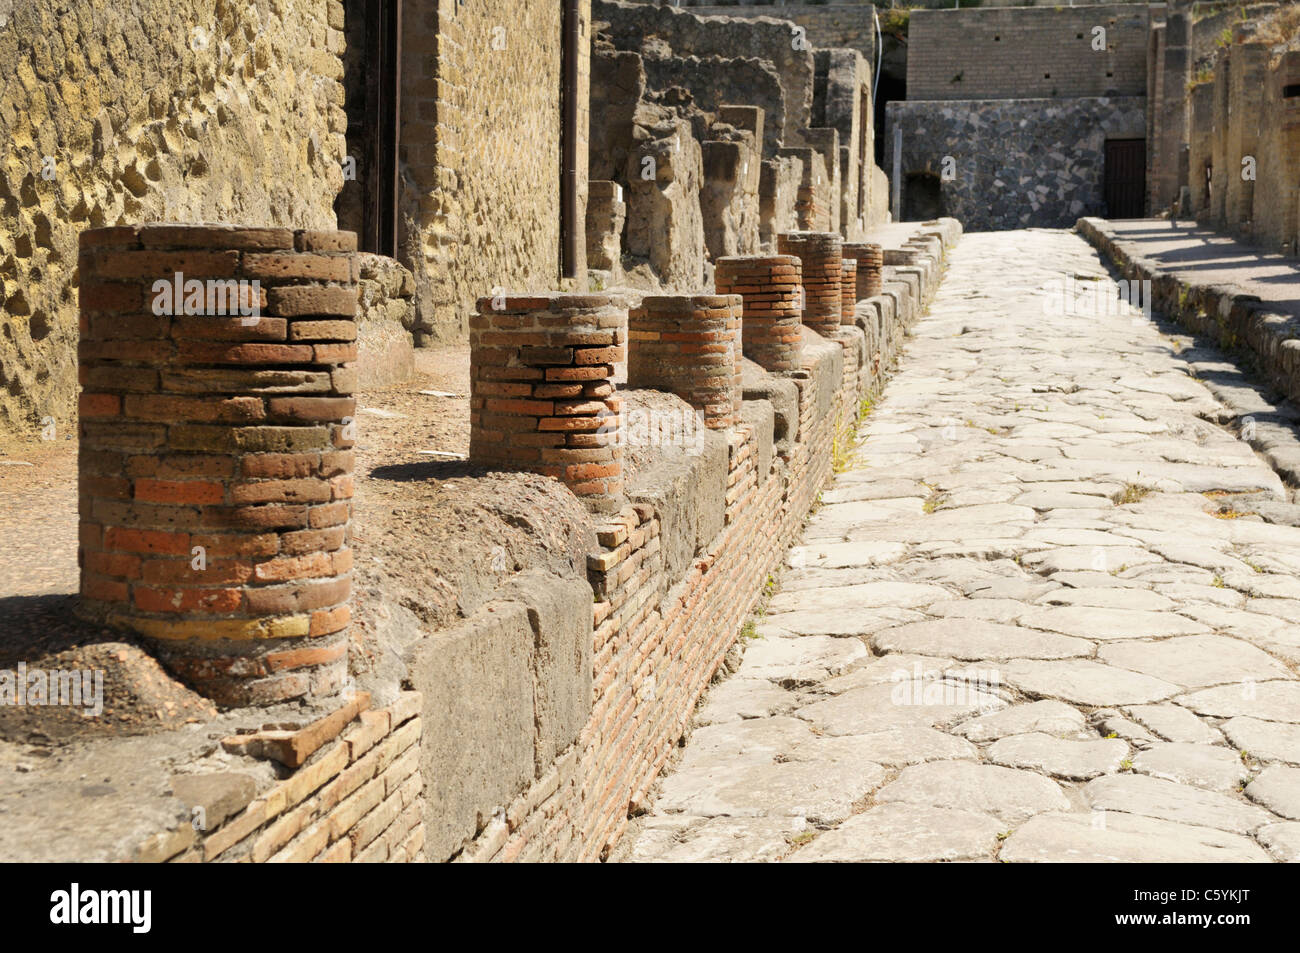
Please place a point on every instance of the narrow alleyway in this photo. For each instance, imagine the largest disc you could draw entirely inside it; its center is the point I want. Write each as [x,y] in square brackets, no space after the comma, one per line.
[1035,617]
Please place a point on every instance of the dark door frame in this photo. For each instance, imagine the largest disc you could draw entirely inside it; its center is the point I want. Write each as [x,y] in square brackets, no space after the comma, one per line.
[382,122]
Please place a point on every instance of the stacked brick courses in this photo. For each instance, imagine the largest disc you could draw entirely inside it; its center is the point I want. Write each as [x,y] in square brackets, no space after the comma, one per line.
[821,262]
[848,289]
[215,464]
[542,393]
[769,287]
[870,259]
[690,346]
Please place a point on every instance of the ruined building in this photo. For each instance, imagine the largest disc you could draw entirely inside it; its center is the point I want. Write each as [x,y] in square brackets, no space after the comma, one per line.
[320,644]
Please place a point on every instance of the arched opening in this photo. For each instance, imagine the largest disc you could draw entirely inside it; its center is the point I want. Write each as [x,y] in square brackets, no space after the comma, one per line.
[922,197]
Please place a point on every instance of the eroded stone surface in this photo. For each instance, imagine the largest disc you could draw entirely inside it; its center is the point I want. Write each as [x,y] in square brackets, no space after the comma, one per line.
[1071,651]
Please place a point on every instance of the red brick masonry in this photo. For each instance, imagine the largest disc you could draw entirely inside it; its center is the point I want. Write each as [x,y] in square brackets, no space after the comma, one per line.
[215,469]
[690,346]
[770,287]
[542,389]
[822,267]
[870,259]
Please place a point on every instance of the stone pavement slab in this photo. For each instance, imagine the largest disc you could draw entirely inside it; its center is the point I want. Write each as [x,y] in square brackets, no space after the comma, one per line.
[1020,627]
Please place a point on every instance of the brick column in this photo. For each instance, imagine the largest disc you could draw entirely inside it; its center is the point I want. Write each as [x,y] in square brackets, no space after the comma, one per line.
[820,257]
[215,471]
[769,287]
[870,259]
[691,346]
[848,289]
[542,390]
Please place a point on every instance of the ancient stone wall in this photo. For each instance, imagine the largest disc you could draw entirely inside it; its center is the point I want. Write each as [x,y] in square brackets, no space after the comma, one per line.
[676,574]
[1046,171]
[480,151]
[763,39]
[1244,129]
[999,53]
[192,110]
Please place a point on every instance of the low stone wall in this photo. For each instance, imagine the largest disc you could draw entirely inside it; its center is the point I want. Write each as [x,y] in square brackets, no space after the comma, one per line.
[532,730]
[678,570]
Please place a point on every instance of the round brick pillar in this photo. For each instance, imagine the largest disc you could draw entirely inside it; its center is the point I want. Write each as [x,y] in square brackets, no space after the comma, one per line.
[821,258]
[870,259]
[848,289]
[691,346]
[542,390]
[217,366]
[769,286]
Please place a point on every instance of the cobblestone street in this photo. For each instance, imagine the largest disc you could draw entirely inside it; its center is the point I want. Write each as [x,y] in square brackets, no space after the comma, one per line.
[1049,611]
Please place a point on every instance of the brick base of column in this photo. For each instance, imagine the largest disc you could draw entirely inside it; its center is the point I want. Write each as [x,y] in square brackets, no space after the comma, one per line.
[870,259]
[542,395]
[690,346]
[769,287]
[218,365]
[819,253]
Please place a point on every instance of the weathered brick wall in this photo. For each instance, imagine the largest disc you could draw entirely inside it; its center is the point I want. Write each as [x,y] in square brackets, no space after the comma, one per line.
[480,149]
[215,469]
[1035,53]
[664,617]
[149,111]
[353,795]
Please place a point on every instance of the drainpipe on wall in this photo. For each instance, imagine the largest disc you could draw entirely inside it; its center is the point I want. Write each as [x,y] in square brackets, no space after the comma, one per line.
[571,229]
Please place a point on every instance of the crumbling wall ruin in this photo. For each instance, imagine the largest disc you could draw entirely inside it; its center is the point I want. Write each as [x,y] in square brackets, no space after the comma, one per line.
[1243,131]
[810,164]
[155,111]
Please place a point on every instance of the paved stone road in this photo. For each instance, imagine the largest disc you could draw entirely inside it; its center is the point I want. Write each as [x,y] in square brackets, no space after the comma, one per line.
[1014,629]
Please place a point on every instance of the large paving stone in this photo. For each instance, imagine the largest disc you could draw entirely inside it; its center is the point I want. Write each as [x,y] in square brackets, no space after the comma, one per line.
[754,739]
[1277,787]
[1077,838]
[674,839]
[1282,840]
[802,660]
[1093,623]
[1171,801]
[1109,598]
[971,639]
[1048,716]
[1075,760]
[1194,661]
[1265,740]
[821,792]
[1008,794]
[1098,558]
[738,698]
[844,621]
[906,833]
[1086,683]
[1271,701]
[896,705]
[902,746]
[1173,723]
[895,667]
[869,595]
[844,555]
[1203,766]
